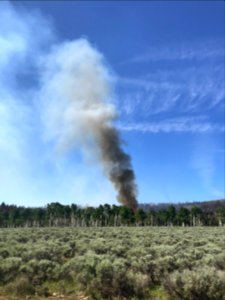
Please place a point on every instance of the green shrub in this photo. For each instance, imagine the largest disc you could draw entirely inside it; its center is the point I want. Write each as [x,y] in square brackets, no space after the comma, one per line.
[219,261]
[200,284]
[4,252]
[9,268]
[115,263]
[39,271]
[20,287]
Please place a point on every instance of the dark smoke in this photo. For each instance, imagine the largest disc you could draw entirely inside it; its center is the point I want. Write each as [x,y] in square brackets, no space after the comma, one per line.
[118,166]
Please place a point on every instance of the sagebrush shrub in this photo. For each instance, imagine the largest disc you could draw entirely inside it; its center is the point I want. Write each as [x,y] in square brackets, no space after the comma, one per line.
[9,268]
[21,286]
[203,283]
[115,263]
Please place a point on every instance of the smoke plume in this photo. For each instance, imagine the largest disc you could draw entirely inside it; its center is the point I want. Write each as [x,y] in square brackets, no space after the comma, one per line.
[76,93]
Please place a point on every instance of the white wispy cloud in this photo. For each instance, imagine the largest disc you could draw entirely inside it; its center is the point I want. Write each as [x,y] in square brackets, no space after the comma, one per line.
[172,87]
[194,50]
[185,124]
[187,90]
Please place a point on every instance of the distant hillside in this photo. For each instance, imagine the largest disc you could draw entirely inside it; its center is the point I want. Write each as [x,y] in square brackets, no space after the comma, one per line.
[206,206]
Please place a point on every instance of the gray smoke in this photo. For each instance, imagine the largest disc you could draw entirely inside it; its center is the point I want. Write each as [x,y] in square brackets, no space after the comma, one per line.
[76,93]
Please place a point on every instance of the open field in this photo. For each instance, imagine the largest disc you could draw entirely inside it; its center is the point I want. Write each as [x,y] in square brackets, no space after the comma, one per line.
[113,263]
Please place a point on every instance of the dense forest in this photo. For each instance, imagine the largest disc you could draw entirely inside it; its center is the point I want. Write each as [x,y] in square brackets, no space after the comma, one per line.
[56,214]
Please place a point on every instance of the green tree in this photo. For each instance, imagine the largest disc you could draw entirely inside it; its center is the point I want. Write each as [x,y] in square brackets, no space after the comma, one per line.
[220,213]
[140,217]
[126,215]
[183,216]
[196,215]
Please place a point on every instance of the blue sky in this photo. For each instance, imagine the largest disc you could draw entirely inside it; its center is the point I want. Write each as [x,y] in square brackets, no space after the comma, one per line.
[166,61]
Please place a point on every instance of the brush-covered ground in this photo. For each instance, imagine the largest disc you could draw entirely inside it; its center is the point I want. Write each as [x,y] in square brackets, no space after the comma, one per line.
[113,263]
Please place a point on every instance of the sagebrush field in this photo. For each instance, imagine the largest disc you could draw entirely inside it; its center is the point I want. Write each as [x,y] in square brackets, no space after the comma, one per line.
[113,263]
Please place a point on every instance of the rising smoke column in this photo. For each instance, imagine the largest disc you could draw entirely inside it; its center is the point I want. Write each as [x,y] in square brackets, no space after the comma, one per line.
[118,166]
[77,111]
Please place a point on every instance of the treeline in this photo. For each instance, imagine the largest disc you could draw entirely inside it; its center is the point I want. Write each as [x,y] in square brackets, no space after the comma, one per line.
[206,206]
[56,214]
